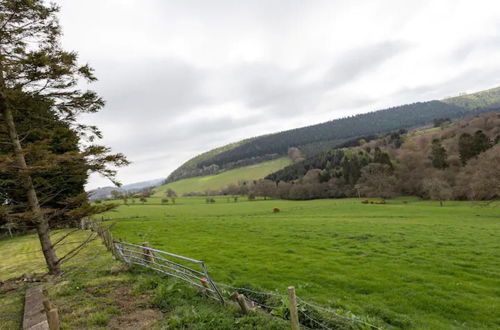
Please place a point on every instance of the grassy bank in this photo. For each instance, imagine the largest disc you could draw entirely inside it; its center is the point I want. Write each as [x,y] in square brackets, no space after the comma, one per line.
[97,293]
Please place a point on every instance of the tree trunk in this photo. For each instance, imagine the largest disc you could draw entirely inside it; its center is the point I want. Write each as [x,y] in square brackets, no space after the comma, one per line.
[42,224]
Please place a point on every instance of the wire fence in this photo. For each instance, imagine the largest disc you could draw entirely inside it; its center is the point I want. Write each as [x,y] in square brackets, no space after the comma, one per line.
[194,272]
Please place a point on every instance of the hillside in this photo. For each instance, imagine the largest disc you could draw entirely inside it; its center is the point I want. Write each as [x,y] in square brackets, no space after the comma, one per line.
[457,160]
[218,181]
[313,139]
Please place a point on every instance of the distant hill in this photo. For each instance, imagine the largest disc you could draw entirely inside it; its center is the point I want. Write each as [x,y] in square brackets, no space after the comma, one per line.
[105,192]
[314,139]
[222,180]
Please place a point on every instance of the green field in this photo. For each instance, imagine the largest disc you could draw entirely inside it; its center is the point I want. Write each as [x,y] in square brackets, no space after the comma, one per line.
[90,296]
[409,263]
[222,180]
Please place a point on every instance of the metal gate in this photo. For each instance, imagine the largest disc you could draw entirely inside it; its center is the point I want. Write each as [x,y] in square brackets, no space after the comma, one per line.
[171,264]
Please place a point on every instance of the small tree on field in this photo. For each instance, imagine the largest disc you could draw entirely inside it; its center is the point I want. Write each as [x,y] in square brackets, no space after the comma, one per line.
[164,201]
[171,194]
[438,189]
[143,200]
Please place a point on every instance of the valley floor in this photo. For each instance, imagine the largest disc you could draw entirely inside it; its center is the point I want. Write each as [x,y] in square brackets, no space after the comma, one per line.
[408,263]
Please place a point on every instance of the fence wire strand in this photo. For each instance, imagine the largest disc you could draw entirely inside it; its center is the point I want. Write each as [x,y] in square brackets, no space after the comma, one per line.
[330,311]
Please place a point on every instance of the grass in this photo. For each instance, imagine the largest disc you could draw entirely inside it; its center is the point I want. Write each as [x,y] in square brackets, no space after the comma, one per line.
[409,263]
[222,180]
[90,296]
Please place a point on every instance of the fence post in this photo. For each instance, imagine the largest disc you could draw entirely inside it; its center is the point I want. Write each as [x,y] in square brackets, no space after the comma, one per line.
[240,299]
[294,314]
[148,254]
[52,315]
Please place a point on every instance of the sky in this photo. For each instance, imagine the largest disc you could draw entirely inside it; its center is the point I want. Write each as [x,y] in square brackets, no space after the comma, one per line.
[183,77]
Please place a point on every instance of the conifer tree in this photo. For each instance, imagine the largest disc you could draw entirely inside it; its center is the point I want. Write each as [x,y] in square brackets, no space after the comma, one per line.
[34,66]
[438,155]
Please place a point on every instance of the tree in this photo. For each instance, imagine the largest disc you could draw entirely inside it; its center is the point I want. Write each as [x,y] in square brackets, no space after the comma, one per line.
[295,155]
[480,178]
[116,194]
[470,146]
[146,192]
[171,194]
[481,142]
[465,147]
[437,189]
[382,158]
[34,67]
[377,180]
[265,188]
[438,155]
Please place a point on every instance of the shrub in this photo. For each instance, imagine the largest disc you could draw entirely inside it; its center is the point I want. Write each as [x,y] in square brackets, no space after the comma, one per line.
[276,209]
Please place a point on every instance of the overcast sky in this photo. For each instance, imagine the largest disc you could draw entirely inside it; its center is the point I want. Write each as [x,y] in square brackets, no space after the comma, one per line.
[182,77]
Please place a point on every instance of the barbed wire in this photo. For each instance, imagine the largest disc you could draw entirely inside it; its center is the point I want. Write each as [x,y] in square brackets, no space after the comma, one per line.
[252,291]
[327,310]
[313,320]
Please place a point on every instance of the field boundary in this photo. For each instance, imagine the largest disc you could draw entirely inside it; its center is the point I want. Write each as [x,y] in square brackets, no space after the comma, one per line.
[310,315]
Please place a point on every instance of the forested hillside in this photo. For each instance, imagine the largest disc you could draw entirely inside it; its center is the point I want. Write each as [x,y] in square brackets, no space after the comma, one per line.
[314,139]
[458,160]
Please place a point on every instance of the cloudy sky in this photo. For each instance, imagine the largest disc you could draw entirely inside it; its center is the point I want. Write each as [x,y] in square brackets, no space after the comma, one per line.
[182,77]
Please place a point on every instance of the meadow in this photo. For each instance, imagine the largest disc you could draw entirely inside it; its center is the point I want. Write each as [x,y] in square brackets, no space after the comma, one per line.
[91,295]
[222,180]
[408,263]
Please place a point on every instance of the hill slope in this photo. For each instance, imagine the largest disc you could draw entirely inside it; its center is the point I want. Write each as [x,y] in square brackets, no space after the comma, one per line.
[316,138]
[454,161]
[219,181]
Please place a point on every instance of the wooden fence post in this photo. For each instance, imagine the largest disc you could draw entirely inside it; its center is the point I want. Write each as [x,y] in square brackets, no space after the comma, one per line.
[294,314]
[240,299]
[52,315]
[148,254]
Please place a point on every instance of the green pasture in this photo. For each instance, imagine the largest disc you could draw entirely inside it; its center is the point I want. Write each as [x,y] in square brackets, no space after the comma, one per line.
[409,263]
[90,296]
[222,180]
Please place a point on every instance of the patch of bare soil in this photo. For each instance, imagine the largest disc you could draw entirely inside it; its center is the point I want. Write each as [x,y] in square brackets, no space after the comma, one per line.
[138,319]
[133,315]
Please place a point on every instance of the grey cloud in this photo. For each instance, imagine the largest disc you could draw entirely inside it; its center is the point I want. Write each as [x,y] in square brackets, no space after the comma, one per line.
[150,90]
[489,43]
[481,78]
[283,92]
[361,61]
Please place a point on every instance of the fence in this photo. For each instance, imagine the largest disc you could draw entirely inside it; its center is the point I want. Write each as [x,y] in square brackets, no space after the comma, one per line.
[289,307]
[163,262]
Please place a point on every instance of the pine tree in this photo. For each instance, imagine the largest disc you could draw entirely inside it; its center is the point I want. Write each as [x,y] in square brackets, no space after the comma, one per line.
[438,155]
[481,142]
[465,147]
[34,67]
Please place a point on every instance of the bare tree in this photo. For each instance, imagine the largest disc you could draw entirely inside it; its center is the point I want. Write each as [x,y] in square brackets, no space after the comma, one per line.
[377,181]
[437,189]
